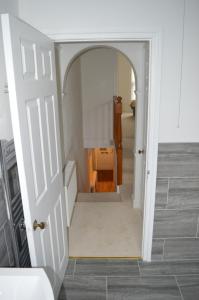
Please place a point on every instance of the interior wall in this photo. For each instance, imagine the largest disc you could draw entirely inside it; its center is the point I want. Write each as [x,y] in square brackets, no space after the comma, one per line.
[180,64]
[72,124]
[98,75]
[124,82]
[104,158]
[189,106]
[6,6]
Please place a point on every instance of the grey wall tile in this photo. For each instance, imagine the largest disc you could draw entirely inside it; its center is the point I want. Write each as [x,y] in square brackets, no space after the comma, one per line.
[183,193]
[83,288]
[178,163]
[106,267]
[178,166]
[169,268]
[6,248]
[161,192]
[150,288]
[178,160]
[4,255]
[175,223]
[157,249]
[178,148]
[189,286]
[3,211]
[178,249]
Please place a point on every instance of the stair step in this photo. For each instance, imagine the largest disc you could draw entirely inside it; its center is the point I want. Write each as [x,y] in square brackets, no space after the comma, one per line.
[99,197]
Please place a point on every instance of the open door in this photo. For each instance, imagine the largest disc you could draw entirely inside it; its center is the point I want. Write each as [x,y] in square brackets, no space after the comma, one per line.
[140,147]
[30,66]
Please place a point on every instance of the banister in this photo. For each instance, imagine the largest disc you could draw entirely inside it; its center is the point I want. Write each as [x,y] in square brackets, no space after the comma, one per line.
[117,134]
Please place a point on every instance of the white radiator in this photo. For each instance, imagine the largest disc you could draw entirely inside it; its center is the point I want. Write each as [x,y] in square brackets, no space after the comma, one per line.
[70,187]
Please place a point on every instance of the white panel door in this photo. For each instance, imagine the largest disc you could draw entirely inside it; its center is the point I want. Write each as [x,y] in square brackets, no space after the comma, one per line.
[140,128]
[34,110]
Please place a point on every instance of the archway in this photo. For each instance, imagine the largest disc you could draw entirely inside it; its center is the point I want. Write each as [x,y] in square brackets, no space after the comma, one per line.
[105,108]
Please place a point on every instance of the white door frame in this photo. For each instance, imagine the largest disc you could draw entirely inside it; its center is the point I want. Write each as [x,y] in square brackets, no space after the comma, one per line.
[154,39]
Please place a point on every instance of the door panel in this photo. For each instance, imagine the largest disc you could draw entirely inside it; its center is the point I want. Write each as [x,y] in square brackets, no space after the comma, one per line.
[28,54]
[36,147]
[46,57]
[141,128]
[51,134]
[34,110]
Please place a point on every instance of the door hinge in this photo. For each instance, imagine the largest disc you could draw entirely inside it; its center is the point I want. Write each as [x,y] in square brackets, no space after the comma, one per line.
[6,91]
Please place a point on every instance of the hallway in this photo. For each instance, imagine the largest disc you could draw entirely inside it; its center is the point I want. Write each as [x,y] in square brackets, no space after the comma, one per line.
[107,222]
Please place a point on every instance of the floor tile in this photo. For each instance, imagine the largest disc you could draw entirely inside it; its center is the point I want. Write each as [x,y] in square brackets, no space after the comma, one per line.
[169,268]
[145,288]
[181,249]
[70,267]
[157,249]
[189,286]
[106,267]
[83,288]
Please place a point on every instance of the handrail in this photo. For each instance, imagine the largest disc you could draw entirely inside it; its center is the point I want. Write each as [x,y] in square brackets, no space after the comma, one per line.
[117,134]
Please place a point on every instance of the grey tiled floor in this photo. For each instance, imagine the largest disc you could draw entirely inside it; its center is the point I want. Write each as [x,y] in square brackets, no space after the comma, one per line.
[121,279]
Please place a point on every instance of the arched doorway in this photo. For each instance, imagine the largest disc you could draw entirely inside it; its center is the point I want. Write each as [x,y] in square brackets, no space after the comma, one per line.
[100,45]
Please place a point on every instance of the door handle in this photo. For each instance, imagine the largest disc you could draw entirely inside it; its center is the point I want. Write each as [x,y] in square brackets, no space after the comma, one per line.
[41,225]
[140,151]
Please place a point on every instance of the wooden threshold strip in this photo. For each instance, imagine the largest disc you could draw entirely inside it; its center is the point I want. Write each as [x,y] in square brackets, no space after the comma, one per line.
[106,257]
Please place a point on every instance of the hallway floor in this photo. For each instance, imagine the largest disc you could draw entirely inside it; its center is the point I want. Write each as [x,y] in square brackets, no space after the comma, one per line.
[105,229]
[130,280]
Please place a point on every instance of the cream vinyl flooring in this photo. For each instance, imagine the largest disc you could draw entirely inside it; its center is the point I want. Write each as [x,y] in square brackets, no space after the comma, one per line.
[109,229]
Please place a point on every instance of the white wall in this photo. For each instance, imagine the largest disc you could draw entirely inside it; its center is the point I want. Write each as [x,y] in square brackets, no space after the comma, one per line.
[72,124]
[124,81]
[189,120]
[98,73]
[6,6]
[166,17]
